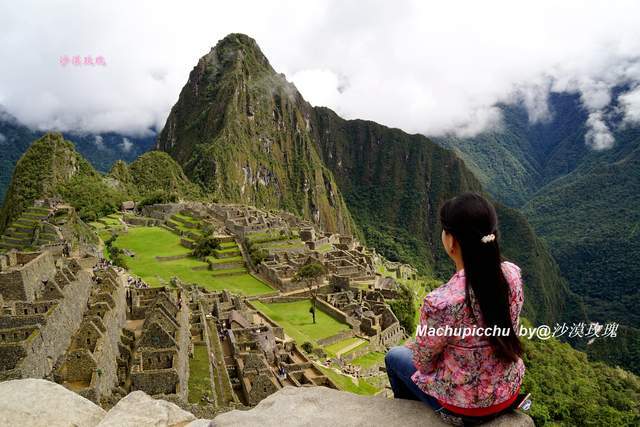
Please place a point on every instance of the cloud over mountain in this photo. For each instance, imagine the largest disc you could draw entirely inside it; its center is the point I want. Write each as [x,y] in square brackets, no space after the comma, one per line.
[428,67]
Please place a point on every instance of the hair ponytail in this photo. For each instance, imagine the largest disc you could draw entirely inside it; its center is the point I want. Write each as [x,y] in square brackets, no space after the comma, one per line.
[472,220]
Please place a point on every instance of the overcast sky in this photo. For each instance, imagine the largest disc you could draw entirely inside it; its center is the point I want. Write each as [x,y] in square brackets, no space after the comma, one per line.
[428,67]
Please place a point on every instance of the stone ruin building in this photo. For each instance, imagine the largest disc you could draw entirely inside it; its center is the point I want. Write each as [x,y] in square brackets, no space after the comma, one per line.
[39,297]
[368,315]
[241,220]
[90,365]
[77,323]
[162,342]
[258,359]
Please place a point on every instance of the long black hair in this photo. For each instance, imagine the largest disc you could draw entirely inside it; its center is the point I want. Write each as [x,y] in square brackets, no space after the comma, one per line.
[469,217]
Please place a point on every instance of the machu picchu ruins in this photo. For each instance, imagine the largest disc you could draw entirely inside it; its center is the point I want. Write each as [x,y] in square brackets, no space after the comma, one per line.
[73,314]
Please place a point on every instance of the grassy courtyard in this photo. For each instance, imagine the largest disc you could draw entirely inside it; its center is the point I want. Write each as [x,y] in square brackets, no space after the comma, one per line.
[199,380]
[369,359]
[147,243]
[297,322]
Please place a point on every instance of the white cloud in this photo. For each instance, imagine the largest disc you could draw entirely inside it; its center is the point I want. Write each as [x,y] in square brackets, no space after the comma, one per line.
[630,103]
[321,85]
[2,138]
[598,136]
[425,66]
[126,145]
[99,143]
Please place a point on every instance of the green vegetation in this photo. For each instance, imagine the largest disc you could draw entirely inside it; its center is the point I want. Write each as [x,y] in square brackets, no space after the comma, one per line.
[307,347]
[147,243]
[51,167]
[369,359]
[589,218]
[347,383]
[199,379]
[394,193]
[294,318]
[206,246]
[309,274]
[156,172]
[404,307]
[569,390]
[114,253]
[18,138]
[157,197]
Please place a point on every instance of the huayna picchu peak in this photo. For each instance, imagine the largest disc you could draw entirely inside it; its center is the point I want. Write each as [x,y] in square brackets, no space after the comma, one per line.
[243,132]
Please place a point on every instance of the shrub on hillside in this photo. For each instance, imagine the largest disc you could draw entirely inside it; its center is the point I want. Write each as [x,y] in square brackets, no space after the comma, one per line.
[205,247]
[404,309]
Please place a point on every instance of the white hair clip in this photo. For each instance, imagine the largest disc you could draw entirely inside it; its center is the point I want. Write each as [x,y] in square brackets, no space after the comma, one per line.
[488,238]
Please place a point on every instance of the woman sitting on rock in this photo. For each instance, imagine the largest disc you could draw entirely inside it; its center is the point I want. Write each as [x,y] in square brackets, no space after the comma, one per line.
[466,354]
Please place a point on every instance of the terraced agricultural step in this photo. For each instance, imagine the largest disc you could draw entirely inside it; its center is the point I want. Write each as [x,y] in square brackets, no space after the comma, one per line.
[15,240]
[226,253]
[187,243]
[214,260]
[193,235]
[186,220]
[4,245]
[21,228]
[229,272]
[227,245]
[34,216]
[26,222]
[48,237]
[166,227]
[226,265]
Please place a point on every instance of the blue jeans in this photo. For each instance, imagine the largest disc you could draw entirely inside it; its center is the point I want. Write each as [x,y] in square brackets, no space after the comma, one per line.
[400,368]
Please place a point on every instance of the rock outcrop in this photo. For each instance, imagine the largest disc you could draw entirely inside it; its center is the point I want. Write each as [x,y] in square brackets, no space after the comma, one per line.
[138,409]
[34,402]
[37,403]
[321,406]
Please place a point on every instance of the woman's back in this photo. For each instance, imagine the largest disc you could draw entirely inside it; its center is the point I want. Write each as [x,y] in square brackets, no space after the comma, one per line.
[459,366]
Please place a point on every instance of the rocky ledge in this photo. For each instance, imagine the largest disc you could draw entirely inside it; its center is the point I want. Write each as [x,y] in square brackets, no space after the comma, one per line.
[36,403]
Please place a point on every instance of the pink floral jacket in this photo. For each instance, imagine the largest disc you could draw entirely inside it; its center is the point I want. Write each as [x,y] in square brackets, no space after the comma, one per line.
[464,372]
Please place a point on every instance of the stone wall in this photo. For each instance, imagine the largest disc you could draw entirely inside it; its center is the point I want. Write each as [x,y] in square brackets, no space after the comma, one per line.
[43,349]
[161,211]
[332,311]
[23,283]
[337,337]
[154,382]
[183,340]
[107,350]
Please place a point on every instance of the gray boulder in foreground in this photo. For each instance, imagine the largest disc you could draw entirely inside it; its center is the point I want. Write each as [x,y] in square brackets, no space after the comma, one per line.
[138,409]
[34,403]
[40,403]
[321,406]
